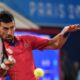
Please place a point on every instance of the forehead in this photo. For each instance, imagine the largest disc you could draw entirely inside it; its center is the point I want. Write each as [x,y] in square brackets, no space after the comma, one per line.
[8,24]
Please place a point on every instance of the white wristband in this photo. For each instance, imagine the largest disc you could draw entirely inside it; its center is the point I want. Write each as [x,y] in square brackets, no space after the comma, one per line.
[3,66]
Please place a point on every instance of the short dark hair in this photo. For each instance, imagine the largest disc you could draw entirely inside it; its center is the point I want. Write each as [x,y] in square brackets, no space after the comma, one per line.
[6,16]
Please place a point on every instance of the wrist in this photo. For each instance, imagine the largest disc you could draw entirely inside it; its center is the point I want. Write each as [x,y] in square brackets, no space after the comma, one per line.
[3,66]
[65,34]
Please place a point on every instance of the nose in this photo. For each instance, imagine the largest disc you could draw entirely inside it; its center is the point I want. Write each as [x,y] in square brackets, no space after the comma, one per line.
[9,32]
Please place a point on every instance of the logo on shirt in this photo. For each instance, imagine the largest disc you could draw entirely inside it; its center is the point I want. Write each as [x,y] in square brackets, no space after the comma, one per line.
[26,45]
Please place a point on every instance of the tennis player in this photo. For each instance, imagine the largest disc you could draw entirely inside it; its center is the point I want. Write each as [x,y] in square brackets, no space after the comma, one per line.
[22,65]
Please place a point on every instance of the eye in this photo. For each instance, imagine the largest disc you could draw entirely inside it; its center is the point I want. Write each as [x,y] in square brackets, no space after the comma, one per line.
[5,28]
[12,27]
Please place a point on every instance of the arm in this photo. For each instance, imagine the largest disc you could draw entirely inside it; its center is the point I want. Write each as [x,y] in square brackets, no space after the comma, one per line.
[3,72]
[59,40]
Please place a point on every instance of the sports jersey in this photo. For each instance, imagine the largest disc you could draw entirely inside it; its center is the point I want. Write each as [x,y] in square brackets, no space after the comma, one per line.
[22,53]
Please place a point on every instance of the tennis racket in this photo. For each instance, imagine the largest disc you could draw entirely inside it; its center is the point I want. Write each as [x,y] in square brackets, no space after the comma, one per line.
[3,54]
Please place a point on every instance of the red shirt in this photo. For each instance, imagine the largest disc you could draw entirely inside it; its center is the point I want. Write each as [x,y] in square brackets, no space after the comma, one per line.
[22,52]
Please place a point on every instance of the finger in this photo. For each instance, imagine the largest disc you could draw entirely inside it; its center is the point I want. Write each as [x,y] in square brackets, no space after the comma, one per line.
[78,25]
[78,28]
[74,26]
[7,62]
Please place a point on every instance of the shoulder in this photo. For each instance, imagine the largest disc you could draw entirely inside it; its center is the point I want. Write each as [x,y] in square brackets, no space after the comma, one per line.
[30,37]
[25,37]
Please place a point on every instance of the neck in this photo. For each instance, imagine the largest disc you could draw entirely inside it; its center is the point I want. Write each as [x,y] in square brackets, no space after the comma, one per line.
[11,41]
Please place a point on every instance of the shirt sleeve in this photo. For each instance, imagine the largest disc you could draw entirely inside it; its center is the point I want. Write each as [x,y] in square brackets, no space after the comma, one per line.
[37,42]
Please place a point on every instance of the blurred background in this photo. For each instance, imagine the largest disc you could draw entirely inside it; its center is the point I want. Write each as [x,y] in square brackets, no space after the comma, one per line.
[46,18]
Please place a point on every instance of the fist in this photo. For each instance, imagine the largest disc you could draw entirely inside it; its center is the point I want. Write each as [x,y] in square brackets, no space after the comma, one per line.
[8,63]
[71,28]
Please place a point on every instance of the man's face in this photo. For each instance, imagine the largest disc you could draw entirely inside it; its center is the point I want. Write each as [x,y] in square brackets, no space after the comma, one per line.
[7,30]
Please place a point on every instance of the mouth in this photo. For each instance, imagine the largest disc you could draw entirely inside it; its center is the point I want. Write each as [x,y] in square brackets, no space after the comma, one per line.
[9,39]
[9,36]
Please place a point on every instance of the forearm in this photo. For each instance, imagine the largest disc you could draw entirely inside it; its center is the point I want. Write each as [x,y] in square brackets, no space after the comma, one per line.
[64,36]
[59,40]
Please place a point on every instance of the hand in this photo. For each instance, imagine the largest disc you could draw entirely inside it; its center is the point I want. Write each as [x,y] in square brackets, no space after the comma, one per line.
[71,28]
[8,63]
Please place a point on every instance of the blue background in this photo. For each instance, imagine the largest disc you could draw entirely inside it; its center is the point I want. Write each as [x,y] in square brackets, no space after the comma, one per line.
[62,12]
